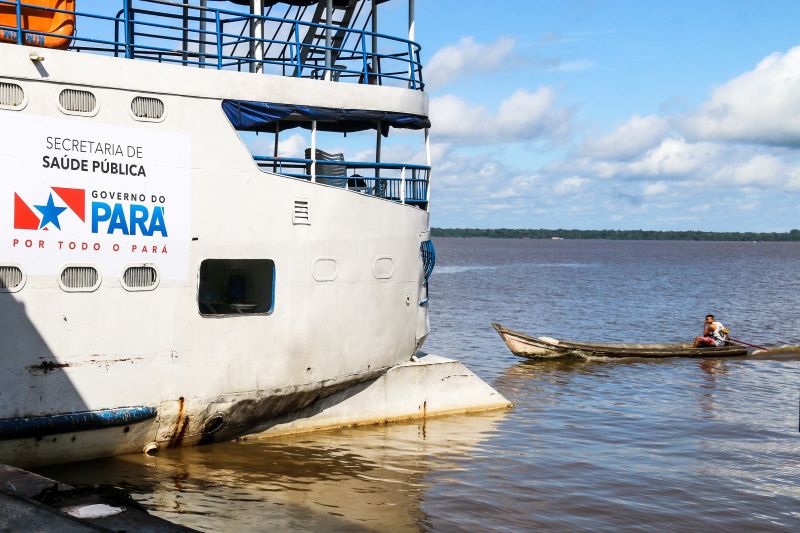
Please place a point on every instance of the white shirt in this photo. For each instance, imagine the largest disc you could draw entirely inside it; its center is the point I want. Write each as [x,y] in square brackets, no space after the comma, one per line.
[719,338]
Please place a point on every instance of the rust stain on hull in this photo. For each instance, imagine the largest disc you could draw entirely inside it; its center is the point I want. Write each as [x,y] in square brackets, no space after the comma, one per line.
[111,361]
[45,367]
[181,425]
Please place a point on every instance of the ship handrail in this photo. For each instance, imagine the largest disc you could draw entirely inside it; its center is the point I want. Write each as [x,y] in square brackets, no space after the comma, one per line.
[217,45]
[400,56]
[351,164]
[411,189]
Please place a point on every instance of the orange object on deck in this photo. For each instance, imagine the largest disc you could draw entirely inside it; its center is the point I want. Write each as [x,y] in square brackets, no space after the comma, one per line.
[59,25]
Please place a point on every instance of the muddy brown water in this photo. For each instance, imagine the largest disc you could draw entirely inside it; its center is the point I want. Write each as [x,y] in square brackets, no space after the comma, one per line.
[630,444]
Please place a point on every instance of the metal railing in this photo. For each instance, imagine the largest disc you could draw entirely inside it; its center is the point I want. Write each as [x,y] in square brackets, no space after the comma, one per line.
[404,182]
[207,37]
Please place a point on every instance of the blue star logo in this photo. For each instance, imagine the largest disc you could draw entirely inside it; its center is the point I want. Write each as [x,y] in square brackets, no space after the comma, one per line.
[50,213]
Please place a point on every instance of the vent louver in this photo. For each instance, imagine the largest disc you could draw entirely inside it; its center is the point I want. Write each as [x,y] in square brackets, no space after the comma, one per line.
[11,95]
[147,108]
[140,278]
[76,101]
[302,214]
[10,278]
[80,279]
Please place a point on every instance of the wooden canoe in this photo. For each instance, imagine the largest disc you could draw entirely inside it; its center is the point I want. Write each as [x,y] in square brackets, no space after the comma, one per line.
[547,347]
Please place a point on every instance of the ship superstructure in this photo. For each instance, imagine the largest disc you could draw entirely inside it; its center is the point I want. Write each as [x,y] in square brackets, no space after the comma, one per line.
[168,275]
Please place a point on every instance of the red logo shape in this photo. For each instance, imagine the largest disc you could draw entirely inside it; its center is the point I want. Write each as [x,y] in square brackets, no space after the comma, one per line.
[75,200]
[24,218]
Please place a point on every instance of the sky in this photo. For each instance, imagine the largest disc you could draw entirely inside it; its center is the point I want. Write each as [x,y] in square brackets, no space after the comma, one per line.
[600,114]
[673,115]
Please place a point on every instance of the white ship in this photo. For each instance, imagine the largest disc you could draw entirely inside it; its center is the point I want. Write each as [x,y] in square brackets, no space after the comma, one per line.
[165,282]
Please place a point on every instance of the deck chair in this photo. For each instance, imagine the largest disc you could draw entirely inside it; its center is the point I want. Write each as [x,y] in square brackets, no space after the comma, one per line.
[328,173]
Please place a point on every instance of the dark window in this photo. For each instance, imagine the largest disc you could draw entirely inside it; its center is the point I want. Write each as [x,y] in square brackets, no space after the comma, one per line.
[236,286]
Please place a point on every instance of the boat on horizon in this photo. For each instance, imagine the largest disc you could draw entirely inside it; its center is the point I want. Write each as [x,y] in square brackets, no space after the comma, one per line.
[524,345]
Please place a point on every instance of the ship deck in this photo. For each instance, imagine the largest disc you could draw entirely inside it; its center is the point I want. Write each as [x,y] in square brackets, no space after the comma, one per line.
[301,41]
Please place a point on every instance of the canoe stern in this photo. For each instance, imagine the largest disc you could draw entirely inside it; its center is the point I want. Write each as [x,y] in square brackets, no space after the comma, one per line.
[523,345]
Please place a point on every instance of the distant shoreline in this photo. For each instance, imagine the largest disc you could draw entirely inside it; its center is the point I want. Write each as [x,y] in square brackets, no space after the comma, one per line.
[618,235]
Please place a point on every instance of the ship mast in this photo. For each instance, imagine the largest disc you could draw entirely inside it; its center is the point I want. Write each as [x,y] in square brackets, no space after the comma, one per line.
[257,35]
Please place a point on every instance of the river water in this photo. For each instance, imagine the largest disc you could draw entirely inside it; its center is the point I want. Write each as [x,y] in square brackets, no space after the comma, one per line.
[675,444]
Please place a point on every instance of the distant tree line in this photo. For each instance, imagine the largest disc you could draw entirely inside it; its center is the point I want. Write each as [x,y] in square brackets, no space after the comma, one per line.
[612,234]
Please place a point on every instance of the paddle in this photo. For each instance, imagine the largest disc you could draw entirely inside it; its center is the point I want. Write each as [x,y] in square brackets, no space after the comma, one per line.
[748,344]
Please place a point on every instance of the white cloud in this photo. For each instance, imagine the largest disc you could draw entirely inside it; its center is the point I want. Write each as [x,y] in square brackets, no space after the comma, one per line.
[700,166]
[571,185]
[479,184]
[479,189]
[632,137]
[674,157]
[743,139]
[522,117]
[293,146]
[760,106]
[465,58]
[517,186]
[655,170]
[761,169]
[655,189]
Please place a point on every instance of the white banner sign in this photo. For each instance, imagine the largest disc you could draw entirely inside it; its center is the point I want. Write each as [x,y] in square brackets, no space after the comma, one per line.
[77,192]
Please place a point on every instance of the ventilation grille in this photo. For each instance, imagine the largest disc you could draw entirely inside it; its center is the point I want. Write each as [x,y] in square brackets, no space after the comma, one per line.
[80,278]
[301,214]
[77,101]
[140,278]
[147,108]
[11,95]
[10,277]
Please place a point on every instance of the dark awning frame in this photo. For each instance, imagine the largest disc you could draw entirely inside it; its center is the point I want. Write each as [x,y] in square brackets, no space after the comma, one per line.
[264,116]
[287,2]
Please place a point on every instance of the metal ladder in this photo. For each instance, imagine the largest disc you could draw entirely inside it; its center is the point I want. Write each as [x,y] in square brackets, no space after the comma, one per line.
[312,49]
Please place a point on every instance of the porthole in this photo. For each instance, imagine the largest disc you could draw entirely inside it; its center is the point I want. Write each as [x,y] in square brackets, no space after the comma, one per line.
[79,278]
[140,278]
[325,269]
[12,96]
[77,102]
[213,424]
[147,109]
[383,268]
[12,278]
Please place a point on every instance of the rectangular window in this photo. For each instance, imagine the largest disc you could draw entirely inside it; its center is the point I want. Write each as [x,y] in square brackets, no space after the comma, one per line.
[236,286]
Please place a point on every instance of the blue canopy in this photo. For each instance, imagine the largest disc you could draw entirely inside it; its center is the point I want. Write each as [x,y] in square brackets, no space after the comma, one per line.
[263,116]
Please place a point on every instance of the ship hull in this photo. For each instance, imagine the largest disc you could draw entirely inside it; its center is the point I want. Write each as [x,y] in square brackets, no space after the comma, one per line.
[339,316]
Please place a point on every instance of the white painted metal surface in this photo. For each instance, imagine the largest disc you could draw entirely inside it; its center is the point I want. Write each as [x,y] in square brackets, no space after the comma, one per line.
[431,386]
[75,352]
[257,34]
[208,377]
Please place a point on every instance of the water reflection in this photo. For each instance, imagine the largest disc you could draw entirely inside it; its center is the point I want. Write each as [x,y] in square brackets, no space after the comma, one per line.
[353,479]
[711,368]
[628,435]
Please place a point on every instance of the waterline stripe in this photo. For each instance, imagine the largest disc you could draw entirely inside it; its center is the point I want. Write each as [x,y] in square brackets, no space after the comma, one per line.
[40,426]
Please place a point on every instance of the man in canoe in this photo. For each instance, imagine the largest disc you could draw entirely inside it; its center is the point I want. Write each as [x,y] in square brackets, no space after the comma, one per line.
[714,334]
